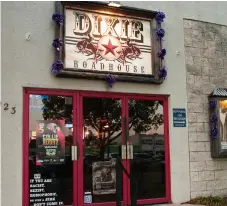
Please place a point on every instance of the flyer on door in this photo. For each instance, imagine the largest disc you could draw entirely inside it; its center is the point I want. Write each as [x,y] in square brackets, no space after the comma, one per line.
[50,142]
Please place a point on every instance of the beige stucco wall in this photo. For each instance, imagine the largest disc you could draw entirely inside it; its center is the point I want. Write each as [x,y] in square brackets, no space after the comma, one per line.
[27,64]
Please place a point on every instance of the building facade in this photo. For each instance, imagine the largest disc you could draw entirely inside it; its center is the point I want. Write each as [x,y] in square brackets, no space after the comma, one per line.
[175,162]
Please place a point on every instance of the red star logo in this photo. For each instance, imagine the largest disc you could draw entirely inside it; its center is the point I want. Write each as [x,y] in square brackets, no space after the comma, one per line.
[109,47]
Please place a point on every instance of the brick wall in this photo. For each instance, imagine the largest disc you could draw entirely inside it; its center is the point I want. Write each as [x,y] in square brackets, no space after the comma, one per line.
[206,64]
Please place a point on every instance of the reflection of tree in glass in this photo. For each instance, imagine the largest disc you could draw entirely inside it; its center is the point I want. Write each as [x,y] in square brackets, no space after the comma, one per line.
[55,108]
[143,116]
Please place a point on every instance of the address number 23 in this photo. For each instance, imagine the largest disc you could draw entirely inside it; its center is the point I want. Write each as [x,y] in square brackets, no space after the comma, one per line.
[6,108]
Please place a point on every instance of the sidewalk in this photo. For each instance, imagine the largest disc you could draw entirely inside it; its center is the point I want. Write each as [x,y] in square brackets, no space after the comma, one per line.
[176,205]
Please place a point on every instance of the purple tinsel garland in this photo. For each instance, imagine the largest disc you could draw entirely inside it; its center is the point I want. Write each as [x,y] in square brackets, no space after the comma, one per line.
[110,79]
[212,104]
[57,43]
[162,53]
[160,33]
[213,119]
[163,73]
[57,66]
[58,18]
[214,132]
[160,16]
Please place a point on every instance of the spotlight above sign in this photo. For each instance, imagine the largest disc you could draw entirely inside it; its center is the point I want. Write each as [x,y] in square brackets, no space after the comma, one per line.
[100,39]
[114,3]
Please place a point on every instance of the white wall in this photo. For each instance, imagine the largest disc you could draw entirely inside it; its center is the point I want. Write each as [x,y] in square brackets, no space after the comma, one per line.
[27,64]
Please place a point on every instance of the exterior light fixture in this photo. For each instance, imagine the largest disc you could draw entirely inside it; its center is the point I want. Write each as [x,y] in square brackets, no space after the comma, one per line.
[114,3]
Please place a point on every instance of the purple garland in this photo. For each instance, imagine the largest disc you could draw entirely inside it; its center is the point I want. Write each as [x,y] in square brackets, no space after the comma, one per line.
[57,65]
[57,43]
[58,18]
[161,54]
[213,119]
[160,33]
[212,104]
[159,17]
[163,73]
[214,132]
[110,79]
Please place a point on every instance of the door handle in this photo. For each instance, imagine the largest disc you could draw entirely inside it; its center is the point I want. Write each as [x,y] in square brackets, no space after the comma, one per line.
[123,152]
[127,152]
[74,153]
[130,152]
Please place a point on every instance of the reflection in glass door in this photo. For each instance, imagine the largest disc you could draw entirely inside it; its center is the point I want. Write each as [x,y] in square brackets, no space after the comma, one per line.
[146,134]
[102,139]
[50,141]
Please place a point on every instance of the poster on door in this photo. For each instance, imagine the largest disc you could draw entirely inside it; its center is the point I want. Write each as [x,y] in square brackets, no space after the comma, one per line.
[223,125]
[104,177]
[50,142]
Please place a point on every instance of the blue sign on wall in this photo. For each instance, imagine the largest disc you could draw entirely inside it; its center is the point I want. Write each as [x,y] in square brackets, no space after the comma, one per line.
[179,117]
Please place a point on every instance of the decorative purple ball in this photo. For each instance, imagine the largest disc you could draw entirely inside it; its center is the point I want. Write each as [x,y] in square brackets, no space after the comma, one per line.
[161,54]
[57,66]
[57,44]
[212,104]
[58,18]
[163,73]
[160,16]
[160,33]
[214,132]
[110,79]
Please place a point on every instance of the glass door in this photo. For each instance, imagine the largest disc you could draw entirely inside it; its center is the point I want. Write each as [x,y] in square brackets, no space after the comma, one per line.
[72,140]
[51,178]
[147,133]
[100,141]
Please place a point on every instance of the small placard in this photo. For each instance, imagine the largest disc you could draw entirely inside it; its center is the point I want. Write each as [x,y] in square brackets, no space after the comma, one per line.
[87,197]
[179,117]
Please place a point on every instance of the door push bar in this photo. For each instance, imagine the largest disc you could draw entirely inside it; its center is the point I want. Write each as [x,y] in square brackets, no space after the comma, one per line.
[127,152]
[74,153]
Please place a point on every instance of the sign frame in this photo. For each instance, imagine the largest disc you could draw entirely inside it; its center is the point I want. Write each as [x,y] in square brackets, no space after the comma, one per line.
[101,7]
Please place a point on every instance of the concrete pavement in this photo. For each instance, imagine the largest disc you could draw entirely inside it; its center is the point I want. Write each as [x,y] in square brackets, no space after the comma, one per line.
[176,205]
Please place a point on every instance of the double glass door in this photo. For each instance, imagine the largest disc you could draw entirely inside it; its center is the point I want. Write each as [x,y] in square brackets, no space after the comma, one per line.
[75,138]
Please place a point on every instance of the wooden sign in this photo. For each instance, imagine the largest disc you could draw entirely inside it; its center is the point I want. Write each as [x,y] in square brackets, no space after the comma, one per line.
[99,40]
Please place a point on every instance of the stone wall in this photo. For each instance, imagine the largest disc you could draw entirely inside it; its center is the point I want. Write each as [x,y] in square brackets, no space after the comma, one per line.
[206,65]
